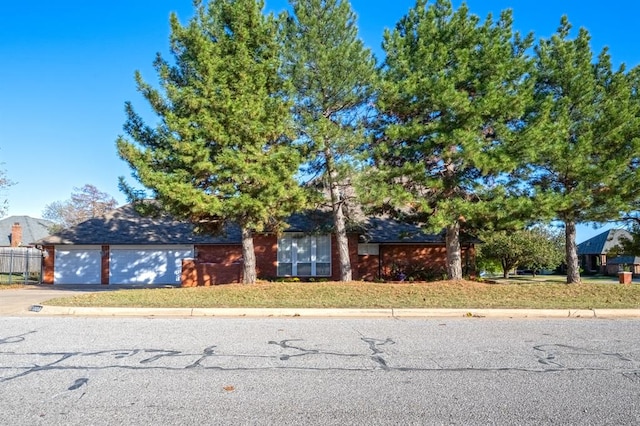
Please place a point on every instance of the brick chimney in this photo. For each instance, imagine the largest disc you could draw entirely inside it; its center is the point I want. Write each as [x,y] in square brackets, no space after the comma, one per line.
[16,235]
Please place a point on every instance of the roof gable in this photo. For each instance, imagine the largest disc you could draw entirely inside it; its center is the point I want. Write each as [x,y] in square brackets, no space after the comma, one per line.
[602,243]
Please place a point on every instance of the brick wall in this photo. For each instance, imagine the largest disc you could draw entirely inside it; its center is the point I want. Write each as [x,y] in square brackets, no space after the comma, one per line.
[223,262]
[411,258]
[48,265]
[213,264]
[104,274]
[408,258]
[353,256]
[266,249]
[16,235]
[369,267]
[207,274]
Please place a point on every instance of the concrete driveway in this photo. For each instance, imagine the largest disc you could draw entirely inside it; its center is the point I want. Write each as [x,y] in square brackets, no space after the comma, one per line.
[18,301]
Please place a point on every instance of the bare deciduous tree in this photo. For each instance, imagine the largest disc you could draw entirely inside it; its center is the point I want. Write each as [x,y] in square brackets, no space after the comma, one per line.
[85,203]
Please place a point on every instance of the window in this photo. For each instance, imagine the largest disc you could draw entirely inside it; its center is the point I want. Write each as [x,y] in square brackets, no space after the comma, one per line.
[368,249]
[304,255]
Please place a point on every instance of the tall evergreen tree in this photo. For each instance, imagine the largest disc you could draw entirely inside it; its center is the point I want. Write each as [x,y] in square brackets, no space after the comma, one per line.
[332,74]
[221,152]
[582,140]
[452,100]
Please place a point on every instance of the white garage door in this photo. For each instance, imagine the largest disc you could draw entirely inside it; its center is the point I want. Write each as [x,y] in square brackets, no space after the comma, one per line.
[77,265]
[147,264]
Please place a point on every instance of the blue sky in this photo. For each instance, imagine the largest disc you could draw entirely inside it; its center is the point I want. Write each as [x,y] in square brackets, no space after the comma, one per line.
[67,69]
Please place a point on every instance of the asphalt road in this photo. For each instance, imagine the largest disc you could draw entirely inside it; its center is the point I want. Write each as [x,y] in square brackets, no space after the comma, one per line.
[295,371]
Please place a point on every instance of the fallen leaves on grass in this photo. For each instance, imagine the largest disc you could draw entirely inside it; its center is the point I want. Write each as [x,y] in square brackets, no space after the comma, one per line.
[366,295]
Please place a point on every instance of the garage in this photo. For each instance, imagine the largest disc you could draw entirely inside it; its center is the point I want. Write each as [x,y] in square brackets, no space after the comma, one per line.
[77,265]
[147,264]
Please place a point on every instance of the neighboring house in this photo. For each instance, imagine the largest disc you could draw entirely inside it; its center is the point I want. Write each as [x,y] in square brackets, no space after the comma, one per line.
[18,256]
[22,231]
[593,253]
[123,247]
[622,263]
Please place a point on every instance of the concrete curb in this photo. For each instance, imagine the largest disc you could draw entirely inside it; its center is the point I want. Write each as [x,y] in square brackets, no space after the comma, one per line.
[340,313]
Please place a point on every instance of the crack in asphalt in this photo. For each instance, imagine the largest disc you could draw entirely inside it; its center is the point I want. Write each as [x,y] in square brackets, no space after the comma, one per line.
[550,356]
[15,339]
[78,383]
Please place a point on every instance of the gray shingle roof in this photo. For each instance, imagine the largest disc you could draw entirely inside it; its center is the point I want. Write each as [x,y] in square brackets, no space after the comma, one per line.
[624,260]
[312,221]
[602,243]
[32,229]
[124,226]
[383,230]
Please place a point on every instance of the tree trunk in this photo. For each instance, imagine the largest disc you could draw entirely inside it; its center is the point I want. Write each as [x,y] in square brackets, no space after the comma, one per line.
[454,253]
[249,255]
[343,244]
[339,220]
[573,268]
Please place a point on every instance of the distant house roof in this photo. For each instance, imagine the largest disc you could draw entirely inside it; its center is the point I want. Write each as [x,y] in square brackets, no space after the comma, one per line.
[624,260]
[602,243]
[125,226]
[32,229]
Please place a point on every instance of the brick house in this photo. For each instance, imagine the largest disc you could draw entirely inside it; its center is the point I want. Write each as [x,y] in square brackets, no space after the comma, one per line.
[19,259]
[593,253]
[123,247]
[621,263]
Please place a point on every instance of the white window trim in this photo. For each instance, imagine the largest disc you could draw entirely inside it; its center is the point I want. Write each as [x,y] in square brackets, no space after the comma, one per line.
[313,239]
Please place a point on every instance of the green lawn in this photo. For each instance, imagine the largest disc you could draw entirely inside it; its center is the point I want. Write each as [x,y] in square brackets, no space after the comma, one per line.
[16,279]
[519,292]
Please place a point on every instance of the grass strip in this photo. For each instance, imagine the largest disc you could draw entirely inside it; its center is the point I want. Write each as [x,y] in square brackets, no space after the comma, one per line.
[441,294]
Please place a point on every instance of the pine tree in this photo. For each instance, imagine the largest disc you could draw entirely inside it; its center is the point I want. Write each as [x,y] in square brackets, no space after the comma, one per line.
[582,138]
[451,102]
[221,153]
[332,74]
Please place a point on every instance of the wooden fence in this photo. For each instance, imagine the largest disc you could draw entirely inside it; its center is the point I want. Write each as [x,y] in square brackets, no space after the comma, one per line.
[20,264]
